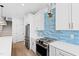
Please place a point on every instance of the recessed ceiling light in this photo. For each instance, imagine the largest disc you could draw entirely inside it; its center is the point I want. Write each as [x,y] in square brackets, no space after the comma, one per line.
[22,4]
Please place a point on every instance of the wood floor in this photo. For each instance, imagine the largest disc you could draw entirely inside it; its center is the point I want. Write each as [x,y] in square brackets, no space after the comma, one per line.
[19,49]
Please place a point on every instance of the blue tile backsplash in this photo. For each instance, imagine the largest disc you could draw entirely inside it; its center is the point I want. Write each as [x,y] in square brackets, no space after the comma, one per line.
[63,35]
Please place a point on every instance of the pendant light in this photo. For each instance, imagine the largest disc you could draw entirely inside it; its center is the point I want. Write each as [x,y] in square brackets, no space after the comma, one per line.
[2,19]
[50,14]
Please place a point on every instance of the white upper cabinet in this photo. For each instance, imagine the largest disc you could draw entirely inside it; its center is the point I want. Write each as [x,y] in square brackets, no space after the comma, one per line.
[63,16]
[39,19]
[75,16]
[67,16]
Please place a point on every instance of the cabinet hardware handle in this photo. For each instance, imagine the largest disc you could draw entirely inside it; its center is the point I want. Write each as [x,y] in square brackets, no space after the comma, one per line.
[69,25]
[72,25]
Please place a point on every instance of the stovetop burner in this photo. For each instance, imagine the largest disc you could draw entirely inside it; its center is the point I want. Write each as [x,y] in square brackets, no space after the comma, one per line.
[46,39]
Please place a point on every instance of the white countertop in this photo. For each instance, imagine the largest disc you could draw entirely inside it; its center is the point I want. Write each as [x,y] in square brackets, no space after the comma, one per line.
[5,45]
[71,48]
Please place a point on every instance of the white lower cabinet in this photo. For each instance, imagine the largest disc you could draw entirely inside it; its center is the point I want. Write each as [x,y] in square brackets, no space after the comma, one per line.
[33,45]
[53,51]
[62,53]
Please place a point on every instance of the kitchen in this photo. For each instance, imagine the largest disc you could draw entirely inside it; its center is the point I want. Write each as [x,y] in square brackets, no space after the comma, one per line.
[39,29]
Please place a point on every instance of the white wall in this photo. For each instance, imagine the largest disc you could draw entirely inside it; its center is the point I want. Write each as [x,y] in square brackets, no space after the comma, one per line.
[17,30]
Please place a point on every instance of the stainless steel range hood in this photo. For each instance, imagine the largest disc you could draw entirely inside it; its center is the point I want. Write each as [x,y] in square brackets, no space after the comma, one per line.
[2,19]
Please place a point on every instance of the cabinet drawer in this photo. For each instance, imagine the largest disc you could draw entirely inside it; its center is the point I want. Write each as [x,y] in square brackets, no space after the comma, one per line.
[62,53]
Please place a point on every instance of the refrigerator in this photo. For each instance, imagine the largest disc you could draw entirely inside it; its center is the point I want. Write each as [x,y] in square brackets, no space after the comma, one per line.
[27,36]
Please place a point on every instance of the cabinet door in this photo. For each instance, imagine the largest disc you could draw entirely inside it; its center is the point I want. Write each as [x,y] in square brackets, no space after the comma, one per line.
[51,50]
[39,21]
[62,16]
[62,53]
[33,45]
[17,30]
[75,16]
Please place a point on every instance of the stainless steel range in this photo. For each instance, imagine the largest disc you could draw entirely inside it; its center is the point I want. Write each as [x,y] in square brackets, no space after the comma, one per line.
[42,46]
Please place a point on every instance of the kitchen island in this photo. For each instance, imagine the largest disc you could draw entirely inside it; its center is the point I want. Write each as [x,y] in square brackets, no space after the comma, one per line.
[5,45]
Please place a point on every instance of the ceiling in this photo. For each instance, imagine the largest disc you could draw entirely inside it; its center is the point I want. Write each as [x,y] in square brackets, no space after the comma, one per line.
[19,10]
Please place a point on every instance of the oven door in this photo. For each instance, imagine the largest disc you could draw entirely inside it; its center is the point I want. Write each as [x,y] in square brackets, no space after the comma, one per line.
[41,50]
